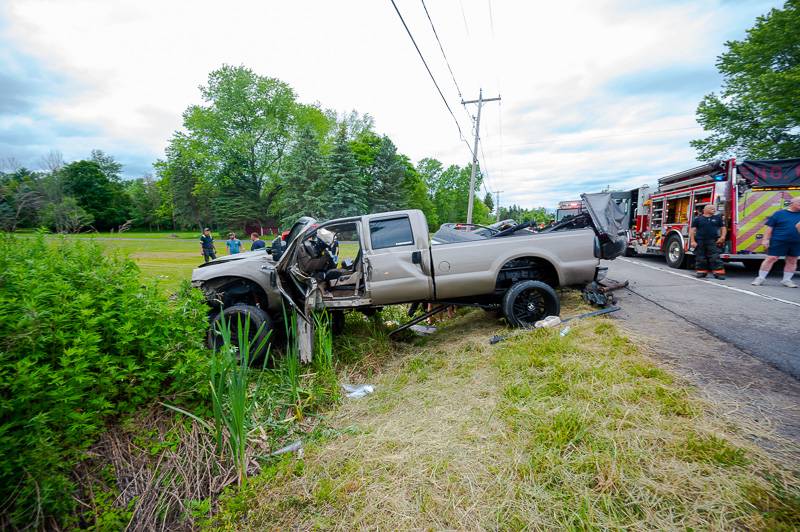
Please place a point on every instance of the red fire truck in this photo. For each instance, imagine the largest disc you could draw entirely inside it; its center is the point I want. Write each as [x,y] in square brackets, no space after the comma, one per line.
[746,194]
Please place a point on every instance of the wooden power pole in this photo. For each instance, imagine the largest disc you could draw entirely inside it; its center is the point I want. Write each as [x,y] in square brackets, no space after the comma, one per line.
[480,102]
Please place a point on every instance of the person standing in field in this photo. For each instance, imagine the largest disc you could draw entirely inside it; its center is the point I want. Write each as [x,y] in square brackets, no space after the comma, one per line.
[707,237]
[257,242]
[233,244]
[782,239]
[207,249]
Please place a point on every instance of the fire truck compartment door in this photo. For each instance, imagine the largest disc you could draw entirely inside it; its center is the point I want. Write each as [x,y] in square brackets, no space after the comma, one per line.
[608,220]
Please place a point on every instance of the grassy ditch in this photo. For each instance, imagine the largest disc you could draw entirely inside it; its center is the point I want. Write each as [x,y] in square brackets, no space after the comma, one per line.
[541,431]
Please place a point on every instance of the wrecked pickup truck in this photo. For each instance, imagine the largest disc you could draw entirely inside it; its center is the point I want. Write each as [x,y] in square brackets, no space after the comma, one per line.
[397,262]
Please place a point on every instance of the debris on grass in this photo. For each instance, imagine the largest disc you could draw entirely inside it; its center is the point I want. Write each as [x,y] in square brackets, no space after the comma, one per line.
[357,391]
[423,330]
[292,447]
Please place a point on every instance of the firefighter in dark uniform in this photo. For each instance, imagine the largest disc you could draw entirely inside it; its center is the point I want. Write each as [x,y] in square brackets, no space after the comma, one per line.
[707,237]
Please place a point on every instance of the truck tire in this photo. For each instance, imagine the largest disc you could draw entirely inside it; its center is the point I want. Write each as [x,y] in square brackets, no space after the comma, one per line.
[257,318]
[527,302]
[674,253]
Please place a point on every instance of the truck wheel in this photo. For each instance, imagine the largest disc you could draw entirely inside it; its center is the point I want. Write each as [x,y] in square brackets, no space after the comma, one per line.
[527,302]
[232,316]
[676,256]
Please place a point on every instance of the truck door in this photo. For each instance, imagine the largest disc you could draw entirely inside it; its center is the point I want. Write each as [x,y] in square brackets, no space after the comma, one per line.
[397,258]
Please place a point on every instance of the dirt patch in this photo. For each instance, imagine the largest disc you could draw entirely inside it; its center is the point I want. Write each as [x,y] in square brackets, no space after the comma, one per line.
[761,399]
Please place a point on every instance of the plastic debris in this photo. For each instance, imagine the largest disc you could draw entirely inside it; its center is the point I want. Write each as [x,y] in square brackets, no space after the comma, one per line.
[549,321]
[423,330]
[564,331]
[292,447]
[357,391]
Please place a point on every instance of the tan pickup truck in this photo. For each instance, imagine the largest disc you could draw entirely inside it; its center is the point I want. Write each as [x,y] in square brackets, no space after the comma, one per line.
[398,262]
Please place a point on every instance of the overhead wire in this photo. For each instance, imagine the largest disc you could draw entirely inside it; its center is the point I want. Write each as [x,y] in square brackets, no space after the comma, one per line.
[438,89]
[441,48]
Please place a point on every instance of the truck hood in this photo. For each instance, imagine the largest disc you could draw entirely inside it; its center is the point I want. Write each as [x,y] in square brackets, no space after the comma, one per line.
[246,255]
[230,264]
[608,219]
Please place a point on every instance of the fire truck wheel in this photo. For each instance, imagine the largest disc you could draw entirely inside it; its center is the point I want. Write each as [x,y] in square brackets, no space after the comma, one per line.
[527,302]
[676,256]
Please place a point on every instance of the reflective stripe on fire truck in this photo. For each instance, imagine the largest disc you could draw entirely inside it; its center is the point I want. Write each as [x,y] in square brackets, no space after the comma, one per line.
[755,206]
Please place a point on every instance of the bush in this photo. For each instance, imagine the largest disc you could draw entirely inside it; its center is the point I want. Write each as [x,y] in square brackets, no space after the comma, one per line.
[82,341]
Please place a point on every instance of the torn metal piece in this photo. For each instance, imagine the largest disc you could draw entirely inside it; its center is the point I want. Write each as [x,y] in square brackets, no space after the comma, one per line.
[549,321]
[292,447]
[423,330]
[357,391]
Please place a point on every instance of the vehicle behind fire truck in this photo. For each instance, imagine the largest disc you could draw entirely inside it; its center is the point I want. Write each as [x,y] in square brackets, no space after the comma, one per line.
[745,194]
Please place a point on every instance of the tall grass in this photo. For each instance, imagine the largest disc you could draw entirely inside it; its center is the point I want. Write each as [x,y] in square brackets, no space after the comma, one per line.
[232,399]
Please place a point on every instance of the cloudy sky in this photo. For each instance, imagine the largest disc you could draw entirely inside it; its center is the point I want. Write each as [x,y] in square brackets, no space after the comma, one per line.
[594,93]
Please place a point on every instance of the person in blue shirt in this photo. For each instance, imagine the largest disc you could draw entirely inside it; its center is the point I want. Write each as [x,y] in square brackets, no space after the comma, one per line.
[782,239]
[233,244]
[257,242]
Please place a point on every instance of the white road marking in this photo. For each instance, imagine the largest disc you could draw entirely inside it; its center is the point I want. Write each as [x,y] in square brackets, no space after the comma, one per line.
[740,290]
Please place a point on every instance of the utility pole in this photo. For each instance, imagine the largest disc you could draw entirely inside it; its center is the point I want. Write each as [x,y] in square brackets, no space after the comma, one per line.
[479,101]
[497,203]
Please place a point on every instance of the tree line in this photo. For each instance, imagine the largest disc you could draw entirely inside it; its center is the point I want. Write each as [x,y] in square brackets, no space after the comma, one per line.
[251,153]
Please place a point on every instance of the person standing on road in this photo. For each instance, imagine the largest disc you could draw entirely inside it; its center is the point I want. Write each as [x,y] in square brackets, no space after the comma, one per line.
[781,238]
[707,237]
[207,249]
[233,244]
[257,242]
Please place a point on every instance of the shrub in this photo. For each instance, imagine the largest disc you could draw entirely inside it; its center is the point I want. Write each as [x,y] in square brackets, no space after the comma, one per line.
[82,341]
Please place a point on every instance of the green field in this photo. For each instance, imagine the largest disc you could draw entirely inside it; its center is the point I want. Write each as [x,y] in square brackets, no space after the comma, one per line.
[168,257]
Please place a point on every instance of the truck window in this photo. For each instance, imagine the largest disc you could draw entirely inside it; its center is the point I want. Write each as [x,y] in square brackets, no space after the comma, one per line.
[390,233]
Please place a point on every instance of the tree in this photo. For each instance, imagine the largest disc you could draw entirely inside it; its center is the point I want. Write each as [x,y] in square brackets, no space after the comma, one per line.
[385,188]
[488,201]
[145,198]
[346,188]
[20,199]
[66,216]
[108,165]
[305,191]
[101,198]
[416,193]
[757,113]
[240,136]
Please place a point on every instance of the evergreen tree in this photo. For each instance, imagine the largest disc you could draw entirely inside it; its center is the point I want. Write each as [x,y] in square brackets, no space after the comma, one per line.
[346,192]
[305,191]
[489,201]
[385,190]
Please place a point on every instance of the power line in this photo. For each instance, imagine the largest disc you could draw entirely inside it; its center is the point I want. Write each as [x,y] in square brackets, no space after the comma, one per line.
[442,50]
[491,18]
[485,170]
[429,72]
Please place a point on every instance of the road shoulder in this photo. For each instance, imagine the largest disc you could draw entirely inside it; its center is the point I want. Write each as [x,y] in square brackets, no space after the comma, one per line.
[761,399]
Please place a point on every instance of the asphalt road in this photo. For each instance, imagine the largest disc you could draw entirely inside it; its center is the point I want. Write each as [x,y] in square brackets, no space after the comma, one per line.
[761,321]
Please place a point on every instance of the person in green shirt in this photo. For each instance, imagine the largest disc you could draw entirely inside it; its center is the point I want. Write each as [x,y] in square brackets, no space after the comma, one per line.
[233,244]
[207,249]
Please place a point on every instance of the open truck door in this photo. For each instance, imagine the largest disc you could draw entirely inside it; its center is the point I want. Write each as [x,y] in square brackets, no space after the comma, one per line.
[608,220]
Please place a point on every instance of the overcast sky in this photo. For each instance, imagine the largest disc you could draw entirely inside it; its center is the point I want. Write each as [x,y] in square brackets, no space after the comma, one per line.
[594,93]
